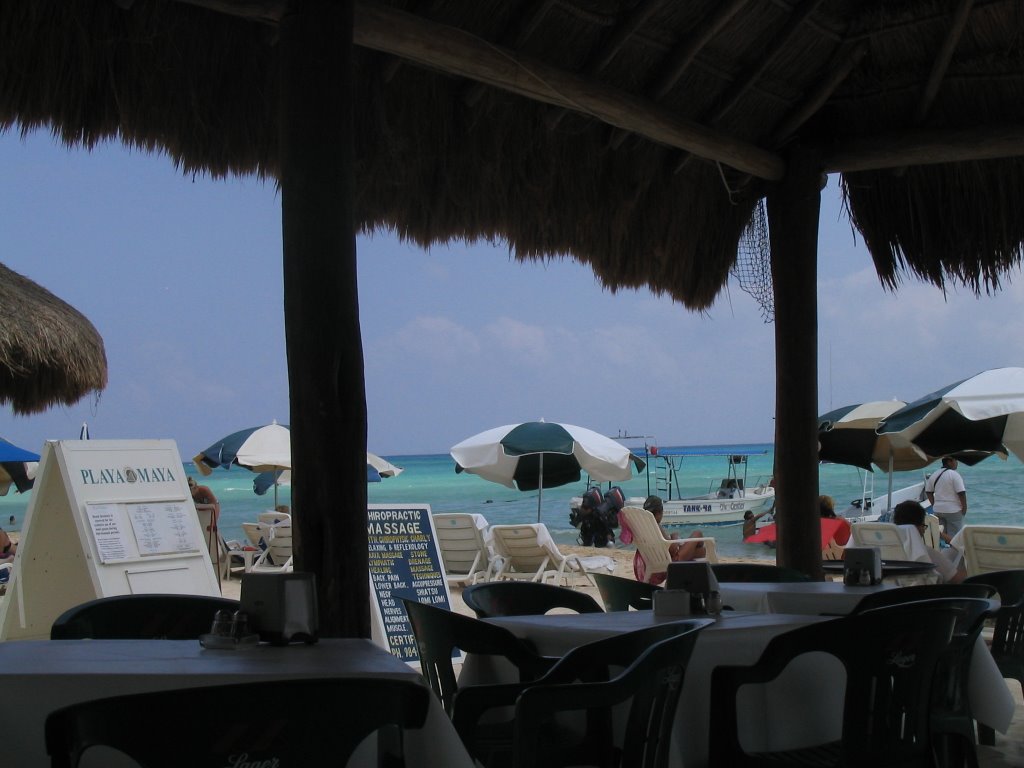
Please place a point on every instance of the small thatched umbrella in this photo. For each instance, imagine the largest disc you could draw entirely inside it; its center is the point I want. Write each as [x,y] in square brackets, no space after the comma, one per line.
[49,352]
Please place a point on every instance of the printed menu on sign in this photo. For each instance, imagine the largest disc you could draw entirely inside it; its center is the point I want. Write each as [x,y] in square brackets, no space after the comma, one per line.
[403,560]
[163,527]
[105,521]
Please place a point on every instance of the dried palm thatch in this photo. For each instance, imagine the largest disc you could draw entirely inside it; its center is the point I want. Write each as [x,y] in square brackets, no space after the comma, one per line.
[579,128]
[50,353]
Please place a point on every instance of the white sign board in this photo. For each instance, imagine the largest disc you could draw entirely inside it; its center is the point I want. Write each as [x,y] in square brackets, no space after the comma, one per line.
[107,517]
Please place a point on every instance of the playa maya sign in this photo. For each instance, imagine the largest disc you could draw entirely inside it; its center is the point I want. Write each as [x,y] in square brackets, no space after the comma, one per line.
[115,476]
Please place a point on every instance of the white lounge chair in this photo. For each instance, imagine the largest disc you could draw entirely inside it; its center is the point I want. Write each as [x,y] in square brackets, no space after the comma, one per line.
[529,552]
[651,543]
[991,547]
[462,543]
[275,545]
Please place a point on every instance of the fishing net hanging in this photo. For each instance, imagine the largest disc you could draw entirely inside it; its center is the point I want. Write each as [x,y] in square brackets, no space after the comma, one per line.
[753,269]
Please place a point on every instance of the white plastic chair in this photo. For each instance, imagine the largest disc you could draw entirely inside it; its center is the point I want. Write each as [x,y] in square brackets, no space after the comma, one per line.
[885,536]
[276,554]
[462,544]
[214,543]
[990,548]
[652,545]
[529,552]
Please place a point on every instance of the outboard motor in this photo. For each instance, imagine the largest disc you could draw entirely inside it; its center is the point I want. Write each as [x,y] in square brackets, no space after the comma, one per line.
[593,530]
[598,529]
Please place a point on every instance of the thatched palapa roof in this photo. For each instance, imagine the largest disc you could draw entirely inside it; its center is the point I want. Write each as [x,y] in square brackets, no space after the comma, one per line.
[633,135]
[50,354]
[650,139]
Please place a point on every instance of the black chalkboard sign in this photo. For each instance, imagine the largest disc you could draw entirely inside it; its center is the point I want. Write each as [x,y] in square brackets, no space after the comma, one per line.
[403,560]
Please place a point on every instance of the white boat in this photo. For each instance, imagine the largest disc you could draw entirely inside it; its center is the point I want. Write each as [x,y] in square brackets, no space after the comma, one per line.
[871,506]
[721,505]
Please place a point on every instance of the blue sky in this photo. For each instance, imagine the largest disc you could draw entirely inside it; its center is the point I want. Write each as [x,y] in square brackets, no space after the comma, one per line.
[182,277]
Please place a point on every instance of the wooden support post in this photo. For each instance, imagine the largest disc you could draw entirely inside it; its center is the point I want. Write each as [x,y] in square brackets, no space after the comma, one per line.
[793,210]
[321,307]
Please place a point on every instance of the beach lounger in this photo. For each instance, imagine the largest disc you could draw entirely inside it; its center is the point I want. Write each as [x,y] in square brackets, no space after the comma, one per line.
[651,543]
[462,543]
[276,556]
[529,552]
[989,548]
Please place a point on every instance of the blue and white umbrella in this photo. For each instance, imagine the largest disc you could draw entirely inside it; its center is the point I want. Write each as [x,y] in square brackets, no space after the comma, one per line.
[17,467]
[537,454]
[267,451]
[376,469]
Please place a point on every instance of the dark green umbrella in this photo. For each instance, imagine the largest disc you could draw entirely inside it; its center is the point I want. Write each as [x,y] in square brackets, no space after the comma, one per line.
[537,454]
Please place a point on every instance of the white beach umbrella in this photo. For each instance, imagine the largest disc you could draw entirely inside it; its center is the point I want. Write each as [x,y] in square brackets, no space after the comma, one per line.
[982,413]
[537,454]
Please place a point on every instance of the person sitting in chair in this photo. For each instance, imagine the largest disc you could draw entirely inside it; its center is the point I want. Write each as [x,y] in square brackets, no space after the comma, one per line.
[7,547]
[950,571]
[681,551]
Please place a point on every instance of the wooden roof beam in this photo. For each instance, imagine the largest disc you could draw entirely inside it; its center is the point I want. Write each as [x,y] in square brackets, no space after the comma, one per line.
[620,35]
[743,84]
[873,153]
[819,94]
[529,21]
[941,63]
[459,53]
[682,55]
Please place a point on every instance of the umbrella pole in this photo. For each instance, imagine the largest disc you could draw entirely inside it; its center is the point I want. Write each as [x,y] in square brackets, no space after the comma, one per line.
[888,506]
[540,486]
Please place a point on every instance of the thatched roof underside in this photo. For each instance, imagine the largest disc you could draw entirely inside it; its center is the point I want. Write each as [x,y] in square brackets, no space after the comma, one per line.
[50,354]
[442,155]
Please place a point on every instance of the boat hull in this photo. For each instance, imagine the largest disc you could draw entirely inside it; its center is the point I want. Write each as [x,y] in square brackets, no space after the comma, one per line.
[710,510]
[707,510]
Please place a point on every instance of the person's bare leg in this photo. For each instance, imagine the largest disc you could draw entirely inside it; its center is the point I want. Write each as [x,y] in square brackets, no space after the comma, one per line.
[688,550]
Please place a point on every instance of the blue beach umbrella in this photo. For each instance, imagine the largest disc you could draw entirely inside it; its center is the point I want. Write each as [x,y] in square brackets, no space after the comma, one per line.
[14,469]
[376,469]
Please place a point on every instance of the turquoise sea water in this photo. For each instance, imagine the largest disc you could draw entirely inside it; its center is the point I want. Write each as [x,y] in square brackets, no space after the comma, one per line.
[995,493]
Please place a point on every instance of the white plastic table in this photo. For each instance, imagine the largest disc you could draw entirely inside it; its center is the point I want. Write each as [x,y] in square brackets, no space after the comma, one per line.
[810,597]
[40,676]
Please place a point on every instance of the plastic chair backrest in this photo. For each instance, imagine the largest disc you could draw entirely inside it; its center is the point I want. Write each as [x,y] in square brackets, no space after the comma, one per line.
[218,553]
[992,548]
[141,617]
[528,550]
[885,536]
[439,633]
[619,594]
[644,668]
[887,701]
[322,723]
[1008,635]
[919,592]
[755,572]
[524,598]
[933,532]
[462,547]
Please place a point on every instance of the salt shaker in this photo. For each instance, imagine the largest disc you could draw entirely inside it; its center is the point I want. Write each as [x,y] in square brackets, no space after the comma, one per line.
[221,626]
[239,625]
[714,603]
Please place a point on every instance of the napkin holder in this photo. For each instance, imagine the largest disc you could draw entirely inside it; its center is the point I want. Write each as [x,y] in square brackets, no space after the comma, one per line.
[688,590]
[862,566]
[282,607]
